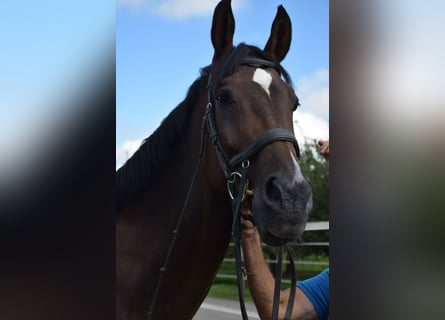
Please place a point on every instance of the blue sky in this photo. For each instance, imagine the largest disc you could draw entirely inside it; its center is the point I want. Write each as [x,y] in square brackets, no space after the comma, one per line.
[44,42]
[161,45]
[49,50]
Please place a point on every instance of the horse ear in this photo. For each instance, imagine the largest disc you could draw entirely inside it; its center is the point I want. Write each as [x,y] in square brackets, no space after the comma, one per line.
[223,28]
[280,35]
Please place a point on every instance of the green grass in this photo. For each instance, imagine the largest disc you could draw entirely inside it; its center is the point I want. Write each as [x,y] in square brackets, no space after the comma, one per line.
[227,288]
[228,291]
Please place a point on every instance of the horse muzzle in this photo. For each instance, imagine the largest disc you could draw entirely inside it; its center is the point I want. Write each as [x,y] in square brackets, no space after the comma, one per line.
[281,209]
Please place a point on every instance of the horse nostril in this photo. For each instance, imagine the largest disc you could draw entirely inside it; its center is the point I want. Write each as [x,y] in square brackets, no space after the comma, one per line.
[286,195]
[273,190]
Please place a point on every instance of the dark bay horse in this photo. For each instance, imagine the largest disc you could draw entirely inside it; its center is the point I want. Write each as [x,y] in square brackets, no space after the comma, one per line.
[245,87]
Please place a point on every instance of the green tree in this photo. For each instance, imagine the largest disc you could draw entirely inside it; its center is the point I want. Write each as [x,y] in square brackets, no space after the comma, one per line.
[316,168]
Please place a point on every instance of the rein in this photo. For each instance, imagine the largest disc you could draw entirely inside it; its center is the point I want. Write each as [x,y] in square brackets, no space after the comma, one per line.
[228,166]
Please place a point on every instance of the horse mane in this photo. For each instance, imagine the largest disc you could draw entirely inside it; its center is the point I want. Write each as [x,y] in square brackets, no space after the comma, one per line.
[133,177]
[139,169]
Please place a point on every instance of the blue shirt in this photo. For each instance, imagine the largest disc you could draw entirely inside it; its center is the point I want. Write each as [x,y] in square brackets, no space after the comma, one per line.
[317,291]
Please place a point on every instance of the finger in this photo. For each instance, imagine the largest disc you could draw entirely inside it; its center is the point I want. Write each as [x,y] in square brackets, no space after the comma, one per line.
[246,223]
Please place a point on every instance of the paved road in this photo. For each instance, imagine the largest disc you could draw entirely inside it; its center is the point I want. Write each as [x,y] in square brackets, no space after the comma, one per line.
[218,309]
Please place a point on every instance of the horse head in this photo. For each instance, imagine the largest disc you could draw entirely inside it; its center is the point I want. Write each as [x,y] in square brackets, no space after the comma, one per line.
[250,98]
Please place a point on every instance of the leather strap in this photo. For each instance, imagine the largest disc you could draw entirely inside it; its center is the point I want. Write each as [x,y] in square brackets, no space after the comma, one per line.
[229,164]
[214,137]
[277,289]
[261,62]
[236,235]
[293,285]
[277,134]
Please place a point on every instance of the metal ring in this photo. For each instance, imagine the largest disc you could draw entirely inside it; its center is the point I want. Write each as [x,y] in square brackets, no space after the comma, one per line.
[246,163]
[233,174]
[231,180]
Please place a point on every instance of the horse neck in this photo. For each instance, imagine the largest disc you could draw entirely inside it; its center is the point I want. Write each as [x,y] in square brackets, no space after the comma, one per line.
[208,193]
[144,230]
[204,232]
[208,206]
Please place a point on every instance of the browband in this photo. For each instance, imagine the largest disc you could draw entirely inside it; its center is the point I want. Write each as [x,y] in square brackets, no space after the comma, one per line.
[261,62]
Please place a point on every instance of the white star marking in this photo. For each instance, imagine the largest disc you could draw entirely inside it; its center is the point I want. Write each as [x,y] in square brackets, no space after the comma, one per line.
[263,78]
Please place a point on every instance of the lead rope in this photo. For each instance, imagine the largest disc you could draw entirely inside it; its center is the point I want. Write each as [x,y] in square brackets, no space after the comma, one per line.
[163,269]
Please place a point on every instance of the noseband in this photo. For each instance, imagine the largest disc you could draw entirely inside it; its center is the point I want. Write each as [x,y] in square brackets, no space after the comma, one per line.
[229,164]
[236,167]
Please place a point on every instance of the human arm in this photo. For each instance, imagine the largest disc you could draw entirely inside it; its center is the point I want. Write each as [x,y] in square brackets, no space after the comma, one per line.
[261,282]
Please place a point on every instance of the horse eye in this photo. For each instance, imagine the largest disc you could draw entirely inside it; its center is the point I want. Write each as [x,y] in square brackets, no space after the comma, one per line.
[224,98]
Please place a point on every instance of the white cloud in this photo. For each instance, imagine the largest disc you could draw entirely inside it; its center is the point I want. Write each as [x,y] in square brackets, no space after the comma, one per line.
[180,9]
[308,126]
[125,151]
[177,9]
[311,120]
[313,92]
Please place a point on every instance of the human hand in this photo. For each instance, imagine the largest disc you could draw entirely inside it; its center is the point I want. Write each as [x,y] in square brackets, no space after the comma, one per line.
[324,148]
[249,229]
[247,223]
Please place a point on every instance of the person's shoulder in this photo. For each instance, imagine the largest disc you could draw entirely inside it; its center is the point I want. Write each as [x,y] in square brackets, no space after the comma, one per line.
[325,273]
[317,282]
[316,290]
[323,277]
